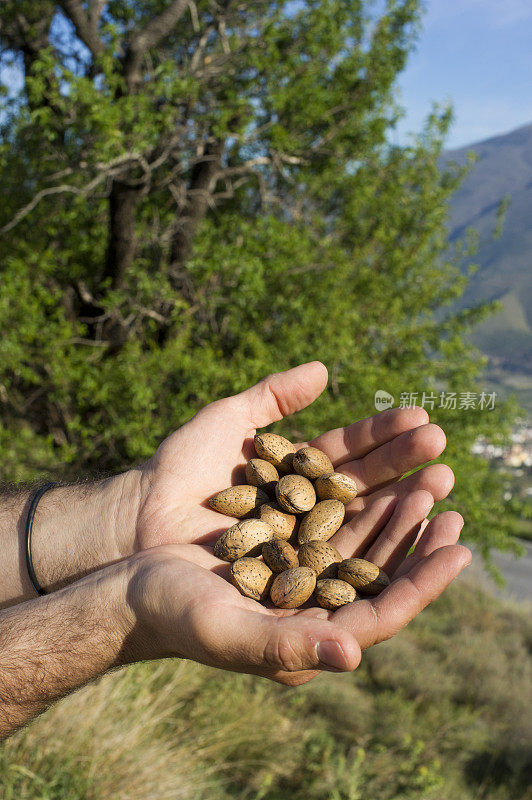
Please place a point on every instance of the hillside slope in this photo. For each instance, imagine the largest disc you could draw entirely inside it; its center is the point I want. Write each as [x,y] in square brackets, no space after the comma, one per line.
[503,168]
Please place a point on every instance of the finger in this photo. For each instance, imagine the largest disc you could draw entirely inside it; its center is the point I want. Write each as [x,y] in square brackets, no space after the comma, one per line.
[270,645]
[437,479]
[283,393]
[392,545]
[444,529]
[391,460]
[367,516]
[358,439]
[373,621]
[359,533]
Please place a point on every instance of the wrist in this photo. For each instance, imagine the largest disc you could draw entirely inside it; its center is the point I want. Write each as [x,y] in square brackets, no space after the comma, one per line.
[108,619]
[81,528]
[153,607]
[130,638]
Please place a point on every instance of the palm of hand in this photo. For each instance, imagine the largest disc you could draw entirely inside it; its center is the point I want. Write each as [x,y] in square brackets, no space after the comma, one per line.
[201,458]
[208,454]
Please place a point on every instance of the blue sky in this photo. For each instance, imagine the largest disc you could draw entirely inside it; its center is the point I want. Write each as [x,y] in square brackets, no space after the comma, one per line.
[477,53]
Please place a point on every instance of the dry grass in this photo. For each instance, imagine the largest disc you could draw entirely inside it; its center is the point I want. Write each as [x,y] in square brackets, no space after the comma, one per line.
[441,711]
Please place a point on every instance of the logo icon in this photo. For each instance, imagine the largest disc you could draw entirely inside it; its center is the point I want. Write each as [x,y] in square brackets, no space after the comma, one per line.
[383,400]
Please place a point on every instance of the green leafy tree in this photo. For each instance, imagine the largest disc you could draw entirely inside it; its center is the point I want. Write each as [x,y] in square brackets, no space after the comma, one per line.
[197,193]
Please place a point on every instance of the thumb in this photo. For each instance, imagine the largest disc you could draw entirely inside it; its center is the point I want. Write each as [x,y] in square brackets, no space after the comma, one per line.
[284,393]
[271,645]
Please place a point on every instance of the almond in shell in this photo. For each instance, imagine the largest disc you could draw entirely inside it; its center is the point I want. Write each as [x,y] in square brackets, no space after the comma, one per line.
[321,522]
[332,593]
[275,449]
[321,557]
[252,577]
[292,588]
[238,501]
[261,473]
[295,494]
[285,525]
[336,486]
[243,539]
[311,463]
[279,555]
[364,576]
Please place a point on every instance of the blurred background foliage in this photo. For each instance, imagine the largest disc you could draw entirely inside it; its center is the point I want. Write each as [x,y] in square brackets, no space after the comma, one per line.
[196,194]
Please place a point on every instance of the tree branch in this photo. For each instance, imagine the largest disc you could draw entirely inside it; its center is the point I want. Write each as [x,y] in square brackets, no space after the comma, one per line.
[86,26]
[114,167]
[150,36]
[27,209]
[96,11]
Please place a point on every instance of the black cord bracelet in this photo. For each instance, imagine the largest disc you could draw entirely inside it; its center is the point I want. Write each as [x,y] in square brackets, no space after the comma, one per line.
[29,525]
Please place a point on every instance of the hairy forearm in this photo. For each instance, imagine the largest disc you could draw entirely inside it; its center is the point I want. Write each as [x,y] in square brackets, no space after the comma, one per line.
[77,529]
[51,645]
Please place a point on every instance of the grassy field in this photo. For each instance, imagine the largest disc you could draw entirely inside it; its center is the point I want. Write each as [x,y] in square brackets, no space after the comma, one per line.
[442,711]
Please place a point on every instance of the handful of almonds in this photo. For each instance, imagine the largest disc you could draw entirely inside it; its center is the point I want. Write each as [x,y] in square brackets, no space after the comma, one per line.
[292,499]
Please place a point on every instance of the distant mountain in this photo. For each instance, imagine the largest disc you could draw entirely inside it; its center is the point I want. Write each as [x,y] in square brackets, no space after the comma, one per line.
[503,168]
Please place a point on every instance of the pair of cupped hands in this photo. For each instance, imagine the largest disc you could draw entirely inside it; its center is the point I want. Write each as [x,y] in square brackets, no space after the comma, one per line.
[180,590]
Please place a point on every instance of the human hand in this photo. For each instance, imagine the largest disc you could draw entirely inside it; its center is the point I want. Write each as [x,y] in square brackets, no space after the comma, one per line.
[209,453]
[184,581]
[183,605]
[83,527]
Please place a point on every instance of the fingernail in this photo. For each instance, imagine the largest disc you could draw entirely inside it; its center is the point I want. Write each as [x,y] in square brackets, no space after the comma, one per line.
[331,655]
